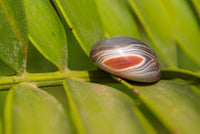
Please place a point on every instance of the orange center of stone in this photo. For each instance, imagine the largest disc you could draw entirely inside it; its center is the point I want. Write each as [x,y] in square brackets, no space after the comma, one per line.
[119,63]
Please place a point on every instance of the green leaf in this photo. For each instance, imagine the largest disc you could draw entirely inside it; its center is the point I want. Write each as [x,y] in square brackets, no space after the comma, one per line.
[30,110]
[78,60]
[178,101]
[158,27]
[5,70]
[83,19]
[186,28]
[116,18]
[46,31]
[37,63]
[13,34]
[3,95]
[157,120]
[196,4]
[98,109]
[185,61]
[1,128]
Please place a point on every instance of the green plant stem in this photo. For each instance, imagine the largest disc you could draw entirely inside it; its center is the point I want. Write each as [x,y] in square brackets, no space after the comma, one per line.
[172,73]
[50,79]
[56,78]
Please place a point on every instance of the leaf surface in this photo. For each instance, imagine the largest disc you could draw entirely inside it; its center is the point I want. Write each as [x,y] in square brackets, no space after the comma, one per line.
[46,31]
[1,128]
[30,110]
[83,19]
[13,34]
[78,60]
[196,4]
[116,18]
[178,101]
[158,27]
[98,109]
[186,28]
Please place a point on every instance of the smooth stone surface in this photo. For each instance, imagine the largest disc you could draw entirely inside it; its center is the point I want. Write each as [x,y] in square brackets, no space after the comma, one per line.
[126,57]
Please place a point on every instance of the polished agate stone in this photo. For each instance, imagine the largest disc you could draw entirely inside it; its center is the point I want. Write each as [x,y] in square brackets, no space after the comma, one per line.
[126,57]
